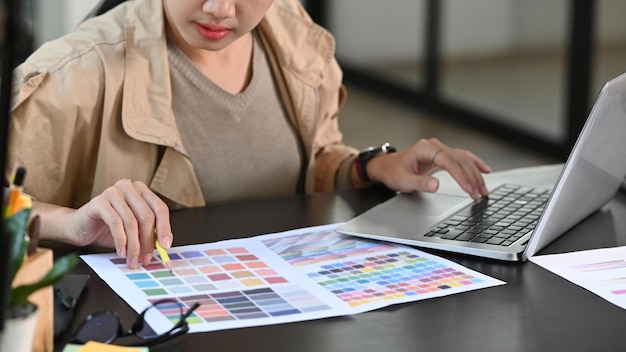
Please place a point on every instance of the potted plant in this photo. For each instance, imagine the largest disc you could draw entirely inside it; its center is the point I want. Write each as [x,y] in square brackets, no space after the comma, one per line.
[20,309]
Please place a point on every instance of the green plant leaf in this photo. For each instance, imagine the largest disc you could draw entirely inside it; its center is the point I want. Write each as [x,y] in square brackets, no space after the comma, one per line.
[62,266]
[16,226]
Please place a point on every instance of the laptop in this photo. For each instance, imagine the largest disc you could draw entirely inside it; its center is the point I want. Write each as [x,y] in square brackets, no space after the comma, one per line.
[492,227]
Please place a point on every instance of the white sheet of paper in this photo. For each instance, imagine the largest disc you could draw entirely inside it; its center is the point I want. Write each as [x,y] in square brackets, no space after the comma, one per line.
[297,275]
[601,271]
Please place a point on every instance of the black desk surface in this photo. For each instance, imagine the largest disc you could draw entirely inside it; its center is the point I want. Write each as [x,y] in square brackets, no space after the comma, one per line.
[535,311]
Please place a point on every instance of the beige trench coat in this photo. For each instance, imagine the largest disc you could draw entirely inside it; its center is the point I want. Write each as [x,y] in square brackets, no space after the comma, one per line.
[94,106]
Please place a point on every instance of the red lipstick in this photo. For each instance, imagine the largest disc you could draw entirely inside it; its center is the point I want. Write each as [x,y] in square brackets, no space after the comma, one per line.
[212,32]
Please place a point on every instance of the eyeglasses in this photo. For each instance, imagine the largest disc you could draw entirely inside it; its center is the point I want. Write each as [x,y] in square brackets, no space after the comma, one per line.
[106,327]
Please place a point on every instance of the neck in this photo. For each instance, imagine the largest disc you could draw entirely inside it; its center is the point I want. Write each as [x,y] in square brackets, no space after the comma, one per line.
[230,68]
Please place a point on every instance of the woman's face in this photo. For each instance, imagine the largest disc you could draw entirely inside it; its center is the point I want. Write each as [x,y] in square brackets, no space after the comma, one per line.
[212,24]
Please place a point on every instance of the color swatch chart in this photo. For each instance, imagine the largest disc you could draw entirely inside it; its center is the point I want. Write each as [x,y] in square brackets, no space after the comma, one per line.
[601,271]
[285,277]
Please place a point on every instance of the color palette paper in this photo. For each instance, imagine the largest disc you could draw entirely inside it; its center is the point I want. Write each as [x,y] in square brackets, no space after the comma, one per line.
[292,276]
[400,274]
[601,271]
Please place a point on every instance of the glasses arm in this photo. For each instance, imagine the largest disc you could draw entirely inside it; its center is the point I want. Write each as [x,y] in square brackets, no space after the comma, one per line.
[184,317]
[180,328]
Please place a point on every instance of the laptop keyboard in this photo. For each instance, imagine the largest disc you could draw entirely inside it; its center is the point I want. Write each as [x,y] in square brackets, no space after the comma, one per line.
[510,212]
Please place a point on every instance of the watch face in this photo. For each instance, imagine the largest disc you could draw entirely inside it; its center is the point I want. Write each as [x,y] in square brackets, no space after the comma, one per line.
[371,152]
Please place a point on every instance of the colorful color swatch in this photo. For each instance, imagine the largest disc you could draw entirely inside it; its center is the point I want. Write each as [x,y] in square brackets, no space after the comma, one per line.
[317,247]
[391,275]
[254,304]
[608,265]
[202,271]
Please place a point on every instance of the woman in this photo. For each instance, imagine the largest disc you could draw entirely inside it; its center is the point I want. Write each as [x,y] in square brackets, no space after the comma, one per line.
[176,103]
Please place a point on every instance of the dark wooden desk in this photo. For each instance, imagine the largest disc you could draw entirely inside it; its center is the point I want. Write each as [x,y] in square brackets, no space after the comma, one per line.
[535,311]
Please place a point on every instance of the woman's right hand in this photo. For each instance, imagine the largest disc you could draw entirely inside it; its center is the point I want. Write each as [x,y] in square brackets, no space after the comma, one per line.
[124,217]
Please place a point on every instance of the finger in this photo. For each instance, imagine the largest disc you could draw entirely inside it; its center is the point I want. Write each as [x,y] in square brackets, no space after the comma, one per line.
[130,226]
[482,166]
[429,184]
[129,206]
[145,218]
[472,173]
[161,213]
[160,209]
[448,163]
[437,151]
[473,179]
[477,167]
[433,159]
[101,208]
[111,208]
[427,153]
[463,166]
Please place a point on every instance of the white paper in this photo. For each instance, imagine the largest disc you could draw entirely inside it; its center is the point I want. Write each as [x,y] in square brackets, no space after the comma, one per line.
[297,275]
[601,271]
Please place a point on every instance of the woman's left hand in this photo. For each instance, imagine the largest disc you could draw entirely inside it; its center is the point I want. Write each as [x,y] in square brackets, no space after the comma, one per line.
[409,170]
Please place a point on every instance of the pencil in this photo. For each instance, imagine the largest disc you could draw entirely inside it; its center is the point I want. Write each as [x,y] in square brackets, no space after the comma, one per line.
[17,179]
[163,254]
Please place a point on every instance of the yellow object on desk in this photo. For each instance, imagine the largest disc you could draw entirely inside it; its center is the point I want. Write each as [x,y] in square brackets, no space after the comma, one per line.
[93,346]
[16,200]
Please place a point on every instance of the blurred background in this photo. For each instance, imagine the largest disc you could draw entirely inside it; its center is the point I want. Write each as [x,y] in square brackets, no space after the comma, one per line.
[511,80]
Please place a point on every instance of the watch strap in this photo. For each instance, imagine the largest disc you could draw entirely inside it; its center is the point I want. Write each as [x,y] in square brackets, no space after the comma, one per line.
[362,170]
[366,155]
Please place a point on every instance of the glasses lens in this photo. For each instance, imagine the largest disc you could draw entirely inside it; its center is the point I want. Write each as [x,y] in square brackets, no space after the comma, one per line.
[101,327]
[171,310]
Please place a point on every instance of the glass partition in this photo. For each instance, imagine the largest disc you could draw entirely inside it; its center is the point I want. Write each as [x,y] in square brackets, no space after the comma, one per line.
[609,57]
[382,38]
[507,60]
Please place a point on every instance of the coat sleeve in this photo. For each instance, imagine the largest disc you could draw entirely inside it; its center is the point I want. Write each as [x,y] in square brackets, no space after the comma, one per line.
[316,113]
[333,159]
[332,156]
[54,125]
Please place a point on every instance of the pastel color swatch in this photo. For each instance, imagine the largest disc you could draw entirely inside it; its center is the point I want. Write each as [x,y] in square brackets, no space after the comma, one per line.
[390,275]
[323,246]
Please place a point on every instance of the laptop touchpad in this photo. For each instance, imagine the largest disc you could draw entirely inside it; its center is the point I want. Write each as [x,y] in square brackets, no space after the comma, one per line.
[432,205]
[405,215]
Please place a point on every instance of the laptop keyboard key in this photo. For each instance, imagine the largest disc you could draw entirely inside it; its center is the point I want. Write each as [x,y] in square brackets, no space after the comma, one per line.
[507,215]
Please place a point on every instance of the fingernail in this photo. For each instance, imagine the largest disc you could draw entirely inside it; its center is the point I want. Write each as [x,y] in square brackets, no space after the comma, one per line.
[134,263]
[146,259]
[431,185]
[167,242]
[122,252]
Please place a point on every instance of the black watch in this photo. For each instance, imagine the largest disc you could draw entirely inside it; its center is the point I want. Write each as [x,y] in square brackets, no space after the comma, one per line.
[366,155]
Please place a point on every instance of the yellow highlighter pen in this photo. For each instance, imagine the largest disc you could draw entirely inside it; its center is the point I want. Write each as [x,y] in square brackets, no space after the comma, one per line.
[162,253]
